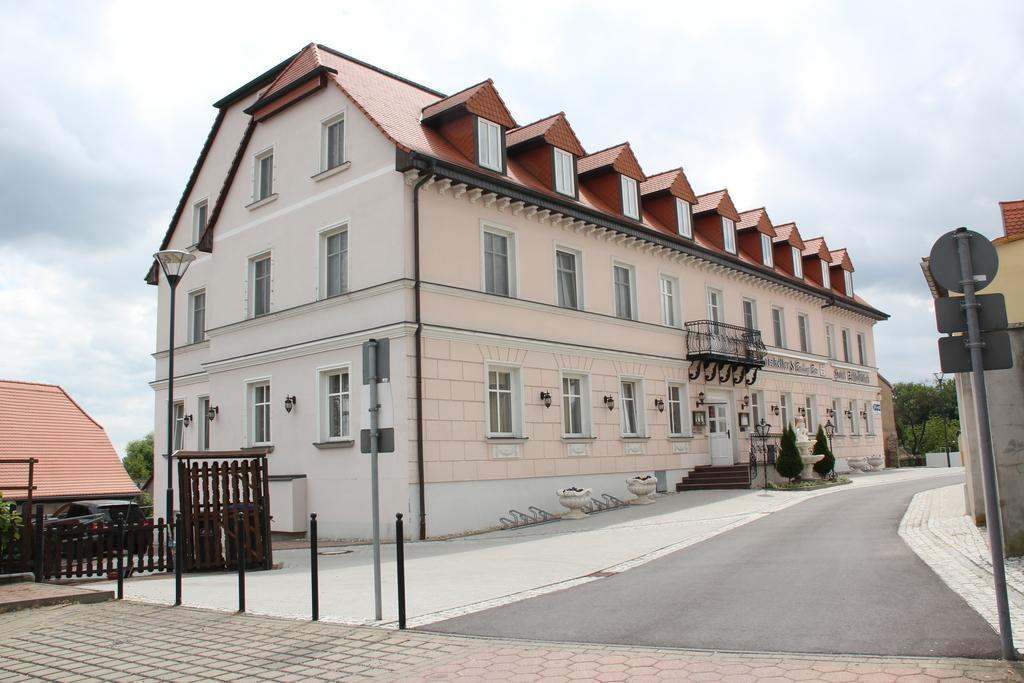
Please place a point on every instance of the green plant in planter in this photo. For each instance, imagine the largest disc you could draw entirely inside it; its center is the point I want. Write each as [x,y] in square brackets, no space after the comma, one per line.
[789,463]
[827,463]
[10,524]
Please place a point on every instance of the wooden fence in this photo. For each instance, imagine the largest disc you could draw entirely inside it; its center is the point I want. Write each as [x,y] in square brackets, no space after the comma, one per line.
[83,550]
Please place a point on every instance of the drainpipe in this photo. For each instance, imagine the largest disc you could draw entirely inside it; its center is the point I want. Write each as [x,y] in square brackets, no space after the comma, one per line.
[419,351]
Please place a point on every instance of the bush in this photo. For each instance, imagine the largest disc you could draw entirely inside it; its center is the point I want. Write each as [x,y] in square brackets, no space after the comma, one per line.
[789,463]
[10,524]
[828,463]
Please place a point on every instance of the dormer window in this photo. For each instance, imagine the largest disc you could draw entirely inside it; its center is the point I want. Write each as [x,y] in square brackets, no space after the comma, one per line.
[766,250]
[565,173]
[798,263]
[684,218]
[848,281]
[488,143]
[630,198]
[199,216]
[825,282]
[729,234]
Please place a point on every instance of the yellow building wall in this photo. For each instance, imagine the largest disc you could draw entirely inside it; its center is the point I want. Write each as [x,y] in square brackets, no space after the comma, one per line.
[1010,278]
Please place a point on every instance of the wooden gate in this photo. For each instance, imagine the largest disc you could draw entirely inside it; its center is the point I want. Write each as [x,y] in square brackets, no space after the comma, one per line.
[213,488]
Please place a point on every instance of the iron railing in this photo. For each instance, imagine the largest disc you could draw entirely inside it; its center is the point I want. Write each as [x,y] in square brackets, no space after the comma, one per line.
[710,340]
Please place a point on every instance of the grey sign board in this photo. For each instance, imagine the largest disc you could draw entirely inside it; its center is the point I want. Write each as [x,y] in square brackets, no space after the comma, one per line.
[385,440]
[383,360]
[954,355]
[944,261]
[949,313]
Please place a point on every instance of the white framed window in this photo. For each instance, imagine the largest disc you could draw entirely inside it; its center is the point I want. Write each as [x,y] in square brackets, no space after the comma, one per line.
[575,405]
[715,312]
[203,422]
[785,403]
[334,261]
[810,414]
[756,407]
[846,345]
[631,407]
[568,279]
[862,351]
[488,140]
[869,418]
[332,142]
[630,198]
[335,405]
[779,326]
[624,281]
[684,217]
[798,263]
[259,413]
[197,316]
[837,416]
[264,175]
[259,287]
[729,234]
[498,250]
[803,324]
[766,251]
[565,173]
[848,282]
[670,314]
[678,409]
[503,401]
[200,214]
[830,340]
[179,425]
[826,281]
[854,419]
[750,314]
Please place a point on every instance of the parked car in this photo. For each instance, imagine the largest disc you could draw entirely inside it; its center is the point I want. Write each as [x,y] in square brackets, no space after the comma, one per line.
[88,512]
[76,521]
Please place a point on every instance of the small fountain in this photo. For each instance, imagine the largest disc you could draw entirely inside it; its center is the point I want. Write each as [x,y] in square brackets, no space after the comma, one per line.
[803,444]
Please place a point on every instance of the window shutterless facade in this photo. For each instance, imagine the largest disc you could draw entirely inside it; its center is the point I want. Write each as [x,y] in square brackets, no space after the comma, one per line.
[810,414]
[567,278]
[862,352]
[259,289]
[766,251]
[489,145]
[203,422]
[630,198]
[756,407]
[336,421]
[779,327]
[678,424]
[825,280]
[830,340]
[670,314]
[501,389]
[179,425]
[200,212]
[565,173]
[848,282]
[785,402]
[684,217]
[334,261]
[264,176]
[846,345]
[625,294]
[869,418]
[499,262]
[197,316]
[804,326]
[332,142]
[750,314]
[837,416]
[259,413]
[575,407]
[715,313]
[729,234]
[854,419]
[798,263]
[631,415]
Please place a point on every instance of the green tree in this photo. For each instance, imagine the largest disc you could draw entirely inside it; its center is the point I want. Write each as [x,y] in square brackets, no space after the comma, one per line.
[789,463]
[914,404]
[940,432]
[138,459]
[10,524]
[827,463]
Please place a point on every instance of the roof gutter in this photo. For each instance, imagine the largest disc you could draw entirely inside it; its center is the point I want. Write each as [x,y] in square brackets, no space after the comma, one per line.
[431,165]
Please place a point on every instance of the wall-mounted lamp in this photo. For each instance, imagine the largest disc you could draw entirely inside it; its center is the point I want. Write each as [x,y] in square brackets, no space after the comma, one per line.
[187,420]
[775,409]
[211,413]
[545,396]
[864,414]
[848,413]
[746,401]
[801,411]
[700,399]
[609,402]
[289,403]
[830,412]
[660,405]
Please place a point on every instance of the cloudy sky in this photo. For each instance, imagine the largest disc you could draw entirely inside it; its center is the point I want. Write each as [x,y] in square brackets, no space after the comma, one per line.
[878,124]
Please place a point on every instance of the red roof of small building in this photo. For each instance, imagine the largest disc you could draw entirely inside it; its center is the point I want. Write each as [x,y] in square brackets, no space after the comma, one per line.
[555,130]
[76,459]
[673,182]
[481,99]
[718,201]
[1013,220]
[841,258]
[619,157]
[788,232]
[756,218]
[815,246]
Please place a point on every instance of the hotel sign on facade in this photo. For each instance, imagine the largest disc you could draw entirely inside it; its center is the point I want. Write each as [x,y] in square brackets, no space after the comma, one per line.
[805,368]
[851,376]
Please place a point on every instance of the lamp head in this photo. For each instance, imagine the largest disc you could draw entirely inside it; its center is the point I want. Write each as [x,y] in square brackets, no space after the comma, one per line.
[174,263]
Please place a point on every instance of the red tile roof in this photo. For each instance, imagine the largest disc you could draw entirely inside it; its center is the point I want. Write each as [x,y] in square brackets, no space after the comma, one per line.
[619,157]
[305,61]
[841,258]
[481,99]
[673,182]
[718,201]
[76,459]
[756,218]
[815,246]
[788,232]
[1013,218]
[555,130]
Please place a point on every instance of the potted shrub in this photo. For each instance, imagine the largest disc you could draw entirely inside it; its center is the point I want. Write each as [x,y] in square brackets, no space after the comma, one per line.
[642,486]
[789,463]
[575,499]
[10,530]
[828,462]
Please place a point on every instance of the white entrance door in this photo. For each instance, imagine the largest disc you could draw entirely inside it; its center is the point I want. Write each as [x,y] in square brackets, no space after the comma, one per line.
[719,434]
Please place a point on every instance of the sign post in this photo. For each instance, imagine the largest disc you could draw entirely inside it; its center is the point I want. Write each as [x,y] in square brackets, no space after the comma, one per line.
[964,261]
[376,356]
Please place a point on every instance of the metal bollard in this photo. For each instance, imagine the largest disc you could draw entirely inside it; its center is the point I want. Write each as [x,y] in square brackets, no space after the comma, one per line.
[178,543]
[314,569]
[400,561]
[240,541]
[119,530]
[37,563]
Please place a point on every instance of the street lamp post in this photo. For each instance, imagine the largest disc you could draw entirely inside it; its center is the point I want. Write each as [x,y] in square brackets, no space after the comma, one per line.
[173,263]
[761,430]
[830,429]
[940,378]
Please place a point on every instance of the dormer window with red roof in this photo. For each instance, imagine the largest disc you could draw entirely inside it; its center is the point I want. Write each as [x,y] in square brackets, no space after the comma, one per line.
[565,172]
[630,198]
[729,234]
[798,263]
[766,250]
[684,217]
[489,143]
[825,280]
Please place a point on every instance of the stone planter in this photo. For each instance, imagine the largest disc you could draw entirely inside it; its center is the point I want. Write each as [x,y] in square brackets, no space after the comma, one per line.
[643,488]
[876,461]
[858,462]
[575,500]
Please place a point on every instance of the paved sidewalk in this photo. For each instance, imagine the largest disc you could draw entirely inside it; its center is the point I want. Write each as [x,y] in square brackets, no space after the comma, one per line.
[463,575]
[124,641]
[936,528]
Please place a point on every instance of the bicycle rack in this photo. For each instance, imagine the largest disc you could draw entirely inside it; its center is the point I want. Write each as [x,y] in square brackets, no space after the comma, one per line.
[607,502]
[518,519]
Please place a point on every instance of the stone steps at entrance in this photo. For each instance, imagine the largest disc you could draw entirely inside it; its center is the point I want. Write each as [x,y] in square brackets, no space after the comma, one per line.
[716,477]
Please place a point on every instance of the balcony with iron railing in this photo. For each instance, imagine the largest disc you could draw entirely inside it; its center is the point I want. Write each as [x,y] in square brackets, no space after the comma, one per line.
[723,350]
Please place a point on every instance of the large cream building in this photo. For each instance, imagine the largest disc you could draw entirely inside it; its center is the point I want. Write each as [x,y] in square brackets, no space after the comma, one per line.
[334,202]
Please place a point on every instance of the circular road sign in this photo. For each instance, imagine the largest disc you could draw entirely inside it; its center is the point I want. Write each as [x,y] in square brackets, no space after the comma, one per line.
[944,261]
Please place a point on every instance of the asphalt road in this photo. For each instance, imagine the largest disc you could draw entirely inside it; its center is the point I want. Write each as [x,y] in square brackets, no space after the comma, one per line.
[830,575]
